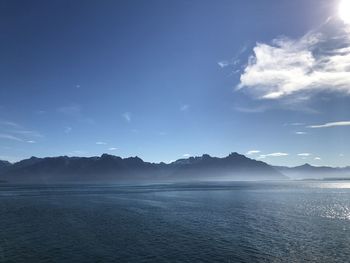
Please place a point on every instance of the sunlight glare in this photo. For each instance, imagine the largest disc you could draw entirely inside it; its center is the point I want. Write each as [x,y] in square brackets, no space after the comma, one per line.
[344,11]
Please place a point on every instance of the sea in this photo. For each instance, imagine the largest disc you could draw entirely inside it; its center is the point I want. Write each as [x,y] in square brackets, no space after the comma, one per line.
[291,221]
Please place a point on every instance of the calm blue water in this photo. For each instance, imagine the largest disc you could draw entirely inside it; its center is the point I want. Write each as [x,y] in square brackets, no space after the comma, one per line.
[226,222]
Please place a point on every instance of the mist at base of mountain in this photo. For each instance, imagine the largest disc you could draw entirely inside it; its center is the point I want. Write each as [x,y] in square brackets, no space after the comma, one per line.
[308,171]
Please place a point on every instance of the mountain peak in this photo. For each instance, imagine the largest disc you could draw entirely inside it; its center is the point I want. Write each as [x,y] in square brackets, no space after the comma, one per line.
[306,165]
[107,156]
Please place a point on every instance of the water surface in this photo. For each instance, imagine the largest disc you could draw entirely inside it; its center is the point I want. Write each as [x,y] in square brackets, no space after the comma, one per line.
[199,222]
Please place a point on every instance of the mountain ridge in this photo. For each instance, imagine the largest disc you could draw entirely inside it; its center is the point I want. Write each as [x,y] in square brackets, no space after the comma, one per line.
[111,168]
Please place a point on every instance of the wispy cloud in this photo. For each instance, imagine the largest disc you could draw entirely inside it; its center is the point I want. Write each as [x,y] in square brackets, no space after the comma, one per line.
[256,109]
[186,155]
[31,141]
[10,137]
[300,133]
[9,124]
[101,143]
[16,132]
[75,111]
[71,110]
[223,63]
[251,152]
[112,149]
[294,124]
[318,61]
[317,159]
[276,154]
[330,124]
[28,133]
[184,107]
[233,61]
[67,129]
[127,116]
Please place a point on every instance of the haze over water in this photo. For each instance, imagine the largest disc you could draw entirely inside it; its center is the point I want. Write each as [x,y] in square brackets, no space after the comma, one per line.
[200,222]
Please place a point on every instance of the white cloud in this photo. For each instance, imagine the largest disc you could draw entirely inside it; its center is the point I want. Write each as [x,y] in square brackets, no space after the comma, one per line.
[318,61]
[330,124]
[317,158]
[300,133]
[252,152]
[127,116]
[112,149]
[186,155]
[277,154]
[304,154]
[101,143]
[31,141]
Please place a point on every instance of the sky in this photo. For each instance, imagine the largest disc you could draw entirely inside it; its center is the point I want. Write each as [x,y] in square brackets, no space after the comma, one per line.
[165,80]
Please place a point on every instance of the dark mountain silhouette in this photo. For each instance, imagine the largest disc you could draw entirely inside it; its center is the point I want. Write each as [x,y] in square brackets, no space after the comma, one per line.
[109,168]
[307,171]
[235,164]
[4,165]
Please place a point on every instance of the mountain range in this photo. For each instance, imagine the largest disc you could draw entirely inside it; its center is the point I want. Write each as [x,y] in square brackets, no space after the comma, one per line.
[113,169]
[110,168]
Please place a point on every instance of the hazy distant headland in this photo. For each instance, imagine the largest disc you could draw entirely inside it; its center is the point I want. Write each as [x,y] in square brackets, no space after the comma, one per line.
[113,169]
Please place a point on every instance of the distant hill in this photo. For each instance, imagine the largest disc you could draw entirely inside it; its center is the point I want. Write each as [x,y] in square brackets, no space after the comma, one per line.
[308,171]
[109,168]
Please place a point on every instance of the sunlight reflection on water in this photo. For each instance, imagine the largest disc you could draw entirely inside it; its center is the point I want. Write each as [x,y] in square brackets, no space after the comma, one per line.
[335,185]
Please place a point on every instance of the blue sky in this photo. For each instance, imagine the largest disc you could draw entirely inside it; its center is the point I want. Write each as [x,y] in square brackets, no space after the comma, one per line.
[168,79]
